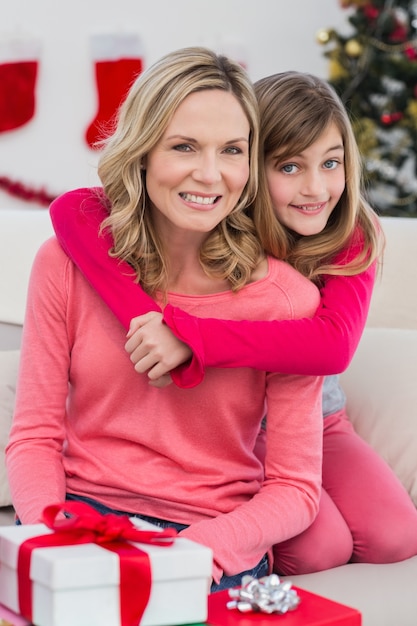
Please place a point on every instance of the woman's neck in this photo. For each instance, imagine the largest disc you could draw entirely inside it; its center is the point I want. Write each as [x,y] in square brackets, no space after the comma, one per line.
[186,276]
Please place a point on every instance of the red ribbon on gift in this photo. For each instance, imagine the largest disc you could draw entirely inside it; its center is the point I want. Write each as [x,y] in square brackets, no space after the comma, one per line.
[112,532]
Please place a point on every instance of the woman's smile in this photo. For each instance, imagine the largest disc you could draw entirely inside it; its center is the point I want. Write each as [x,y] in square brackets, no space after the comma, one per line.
[200,201]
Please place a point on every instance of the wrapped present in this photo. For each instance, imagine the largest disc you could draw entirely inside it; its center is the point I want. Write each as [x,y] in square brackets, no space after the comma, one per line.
[308,610]
[92,569]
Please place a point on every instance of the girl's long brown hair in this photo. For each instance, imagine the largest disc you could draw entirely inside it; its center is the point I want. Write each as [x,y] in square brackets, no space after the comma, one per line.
[295,108]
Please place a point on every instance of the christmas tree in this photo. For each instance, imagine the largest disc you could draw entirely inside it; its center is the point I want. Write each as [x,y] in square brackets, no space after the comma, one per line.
[374,71]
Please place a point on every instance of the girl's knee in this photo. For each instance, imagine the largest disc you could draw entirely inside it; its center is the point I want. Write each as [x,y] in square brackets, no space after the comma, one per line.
[310,553]
[387,543]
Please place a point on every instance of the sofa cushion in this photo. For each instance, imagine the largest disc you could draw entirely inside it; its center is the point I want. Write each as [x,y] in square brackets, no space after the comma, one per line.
[22,231]
[394,300]
[9,361]
[381,390]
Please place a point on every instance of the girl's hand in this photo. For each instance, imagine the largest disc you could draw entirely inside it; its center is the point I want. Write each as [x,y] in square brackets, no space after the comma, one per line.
[154,349]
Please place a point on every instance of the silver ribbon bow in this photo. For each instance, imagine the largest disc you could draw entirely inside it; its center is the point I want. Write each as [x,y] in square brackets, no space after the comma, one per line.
[265,595]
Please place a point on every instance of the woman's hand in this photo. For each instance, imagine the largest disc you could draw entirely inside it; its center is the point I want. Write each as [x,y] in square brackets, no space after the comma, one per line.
[154,349]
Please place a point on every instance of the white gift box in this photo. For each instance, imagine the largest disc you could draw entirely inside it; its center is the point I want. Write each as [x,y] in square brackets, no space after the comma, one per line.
[78,585]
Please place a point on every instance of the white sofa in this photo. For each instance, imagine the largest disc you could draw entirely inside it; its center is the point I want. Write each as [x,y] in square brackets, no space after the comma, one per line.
[381,386]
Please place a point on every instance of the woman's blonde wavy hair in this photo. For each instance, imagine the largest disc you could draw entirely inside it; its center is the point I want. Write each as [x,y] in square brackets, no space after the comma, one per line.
[232,250]
[295,108]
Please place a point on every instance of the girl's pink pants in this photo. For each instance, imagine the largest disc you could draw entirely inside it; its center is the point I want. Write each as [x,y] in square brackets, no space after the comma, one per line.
[365,515]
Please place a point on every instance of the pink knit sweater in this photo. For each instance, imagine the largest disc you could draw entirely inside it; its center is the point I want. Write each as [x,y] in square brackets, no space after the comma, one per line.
[87,423]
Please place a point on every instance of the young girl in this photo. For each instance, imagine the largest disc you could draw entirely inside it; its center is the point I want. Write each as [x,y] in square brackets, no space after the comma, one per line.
[86,426]
[325,229]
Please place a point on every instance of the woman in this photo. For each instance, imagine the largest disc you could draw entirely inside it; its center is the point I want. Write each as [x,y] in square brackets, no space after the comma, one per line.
[177,174]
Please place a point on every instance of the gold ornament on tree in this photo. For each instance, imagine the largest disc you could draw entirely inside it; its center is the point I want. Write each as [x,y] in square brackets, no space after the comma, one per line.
[353,48]
[365,130]
[336,70]
[323,36]
[412,112]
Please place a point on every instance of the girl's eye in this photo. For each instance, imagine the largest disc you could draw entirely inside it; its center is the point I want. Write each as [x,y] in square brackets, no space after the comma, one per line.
[331,164]
[289,168]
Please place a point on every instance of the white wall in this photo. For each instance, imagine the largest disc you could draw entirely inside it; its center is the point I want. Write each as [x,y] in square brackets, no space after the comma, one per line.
[50,150]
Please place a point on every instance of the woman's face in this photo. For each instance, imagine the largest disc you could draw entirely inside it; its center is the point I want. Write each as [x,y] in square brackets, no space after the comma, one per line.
[196,173]
[306,187]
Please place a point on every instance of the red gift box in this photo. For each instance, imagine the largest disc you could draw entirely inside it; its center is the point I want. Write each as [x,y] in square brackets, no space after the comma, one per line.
[313,610]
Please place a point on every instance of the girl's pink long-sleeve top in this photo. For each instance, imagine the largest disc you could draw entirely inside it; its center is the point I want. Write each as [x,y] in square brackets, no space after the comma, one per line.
[322,345]
[85,422]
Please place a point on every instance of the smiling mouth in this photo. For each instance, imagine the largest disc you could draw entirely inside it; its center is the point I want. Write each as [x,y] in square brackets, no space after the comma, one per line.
[205,200]
[309,207]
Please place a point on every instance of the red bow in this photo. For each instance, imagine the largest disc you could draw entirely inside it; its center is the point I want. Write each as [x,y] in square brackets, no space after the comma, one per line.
[112,532]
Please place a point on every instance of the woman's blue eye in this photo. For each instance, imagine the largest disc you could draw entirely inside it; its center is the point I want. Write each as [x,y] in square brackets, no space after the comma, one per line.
[182,147]
[331,164]
[233,150]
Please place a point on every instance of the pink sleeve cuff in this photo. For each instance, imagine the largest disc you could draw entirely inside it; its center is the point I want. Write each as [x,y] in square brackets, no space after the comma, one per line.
[188,374]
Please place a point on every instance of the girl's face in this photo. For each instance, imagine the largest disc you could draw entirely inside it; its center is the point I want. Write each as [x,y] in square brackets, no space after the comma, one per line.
[306,187]
[197,171]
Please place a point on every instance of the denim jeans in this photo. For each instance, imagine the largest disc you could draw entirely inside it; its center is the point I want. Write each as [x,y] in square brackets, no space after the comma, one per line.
[226,582]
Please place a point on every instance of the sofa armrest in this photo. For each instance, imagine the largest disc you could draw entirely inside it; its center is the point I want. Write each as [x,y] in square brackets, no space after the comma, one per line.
[380,385]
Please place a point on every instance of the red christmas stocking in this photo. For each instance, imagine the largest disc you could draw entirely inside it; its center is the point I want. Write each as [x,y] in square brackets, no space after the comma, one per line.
[118,61]
[19,59]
